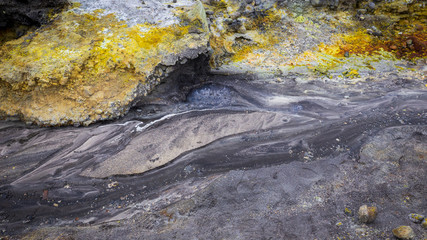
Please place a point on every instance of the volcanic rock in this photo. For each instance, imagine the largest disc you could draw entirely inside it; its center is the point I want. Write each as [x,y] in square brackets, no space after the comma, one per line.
[97,56]
[367,214]
[416,218]
[404,232]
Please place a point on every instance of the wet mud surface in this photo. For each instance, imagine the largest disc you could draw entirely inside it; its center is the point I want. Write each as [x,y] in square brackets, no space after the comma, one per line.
[241,158]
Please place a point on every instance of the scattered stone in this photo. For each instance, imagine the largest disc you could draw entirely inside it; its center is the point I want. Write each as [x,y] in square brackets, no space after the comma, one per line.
[361,11]
[209,12]
[113,184]
[393,47]
[333,4]
[416,218]
[346,54]
[360,231]
[404,232]
[424,223]
[316,3]
[371,5]
[367,214]
[374,31]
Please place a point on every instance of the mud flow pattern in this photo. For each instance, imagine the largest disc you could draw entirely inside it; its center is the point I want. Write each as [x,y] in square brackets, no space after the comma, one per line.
[43,179]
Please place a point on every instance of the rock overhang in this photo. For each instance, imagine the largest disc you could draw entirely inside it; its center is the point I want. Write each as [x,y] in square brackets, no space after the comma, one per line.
[317,39]
[93,60]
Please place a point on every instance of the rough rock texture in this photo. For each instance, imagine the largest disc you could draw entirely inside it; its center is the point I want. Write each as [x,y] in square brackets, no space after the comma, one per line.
[404,232]
[367,214]
[93,60]
[330,39]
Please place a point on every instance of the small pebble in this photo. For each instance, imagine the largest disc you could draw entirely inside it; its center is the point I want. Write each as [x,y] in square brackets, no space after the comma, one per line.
[210,12]
[316,3]
[416,218]
[113,184]
[367,214]
[404,232]
[393,47]
[361,11]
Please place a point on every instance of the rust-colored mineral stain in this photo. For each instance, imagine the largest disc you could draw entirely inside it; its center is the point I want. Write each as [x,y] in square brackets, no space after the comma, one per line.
[403,46]
[45,194]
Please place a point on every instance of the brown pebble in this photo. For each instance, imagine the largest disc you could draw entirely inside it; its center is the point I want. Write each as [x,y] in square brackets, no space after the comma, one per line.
[367,214]
[393,47]
[404,232]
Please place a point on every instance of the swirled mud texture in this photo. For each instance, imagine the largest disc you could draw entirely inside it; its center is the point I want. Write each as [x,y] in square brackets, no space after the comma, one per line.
[240,158]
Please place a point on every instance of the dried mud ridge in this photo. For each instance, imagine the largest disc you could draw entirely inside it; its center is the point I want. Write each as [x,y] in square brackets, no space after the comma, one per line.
[305,156]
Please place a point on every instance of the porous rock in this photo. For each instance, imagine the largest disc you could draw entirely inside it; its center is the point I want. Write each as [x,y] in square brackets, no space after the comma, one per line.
[111,49]
[404,232]
[416,218]
[367,214]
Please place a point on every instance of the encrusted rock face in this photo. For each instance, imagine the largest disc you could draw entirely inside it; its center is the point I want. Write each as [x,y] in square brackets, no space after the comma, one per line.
[94,59]
[319,38]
